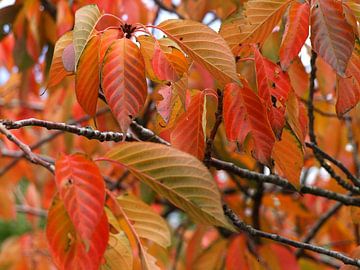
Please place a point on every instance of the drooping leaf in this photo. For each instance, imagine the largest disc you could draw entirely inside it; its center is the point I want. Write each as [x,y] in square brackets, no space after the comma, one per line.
[243,260]
[288,155]
[87,79]
[118,255]
[204,45]
[296,33]
[244,113]
[348,89]
[260,18]
[331,36]
[147,223]
[82,189]
[57,71]
[67,247]
[123,81]
[211,258]
[273,88]
[188,134]
[178,176]
[85,21]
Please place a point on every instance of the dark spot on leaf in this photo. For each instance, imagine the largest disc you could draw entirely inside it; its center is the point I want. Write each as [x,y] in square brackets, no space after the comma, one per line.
[273,101]
[273,85]
[181,38]
[237,58]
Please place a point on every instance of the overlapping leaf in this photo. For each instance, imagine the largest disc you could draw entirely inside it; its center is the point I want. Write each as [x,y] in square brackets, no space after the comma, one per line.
[204,45]
[107,38]
[57,71]
[147,223]
[178,176]
[296,32]
[118,255]
[261,16]
[87,79]
[85,21]
[289,157]
[81,188]
[244,113]
[188,134]
[331,36]
[67,247]
[273,88]
[123,81]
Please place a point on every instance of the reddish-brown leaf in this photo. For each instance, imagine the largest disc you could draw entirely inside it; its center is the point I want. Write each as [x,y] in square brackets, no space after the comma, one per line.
[123,81]
[188,133]
[296,32]
[244,113]
[57,71]
[348,89]
[82,189]
[331,35]
[66,246]
[273,88]
[87,79]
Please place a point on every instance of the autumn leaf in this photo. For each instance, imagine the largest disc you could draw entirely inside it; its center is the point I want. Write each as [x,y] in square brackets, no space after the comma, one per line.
[296,33]
[57,71]
[204,45]
[331,36]
[85,21]
[67,247]
[176,176]
[82,189]
[146,222]
[259,19]
[123,81]
[188,134]
[87,79]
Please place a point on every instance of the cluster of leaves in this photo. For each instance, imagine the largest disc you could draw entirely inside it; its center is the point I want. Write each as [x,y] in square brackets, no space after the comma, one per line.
[237,94]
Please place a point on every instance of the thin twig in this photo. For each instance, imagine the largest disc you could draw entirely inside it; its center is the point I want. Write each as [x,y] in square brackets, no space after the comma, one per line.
[241,225]
[161,5]
[31,210]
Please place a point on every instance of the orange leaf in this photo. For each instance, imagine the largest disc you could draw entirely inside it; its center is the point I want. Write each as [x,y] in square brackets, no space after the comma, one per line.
[188,133]
[87,79]
[288,155]
[296,32]
[66,246]
[162,67]
[273,88]
[244,113]
[57,71]
[107,38]
[123,81]
[331,36]
[82,189]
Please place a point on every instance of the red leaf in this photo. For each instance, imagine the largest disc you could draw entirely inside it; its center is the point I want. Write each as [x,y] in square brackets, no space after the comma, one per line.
[87,79]
[106,21]
[123,81]
[331,36]
[66,246]
[82,189]
[273,88]
[107,38]
[188,133]
[244,113]
[162,67]
[296,32]
[348,89]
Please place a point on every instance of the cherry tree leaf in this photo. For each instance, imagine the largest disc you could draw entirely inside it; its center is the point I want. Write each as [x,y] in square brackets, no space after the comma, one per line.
[87,79]
[261,16]
[188,134]
[273,88]
[147,223]
[348,89]
[68,58]
[296,33]
[118,255]
[67,247]
[123,81]
[244,113]
[82,189]
[85,21]
[162,67]
[107,38]
[57,71]
[204,45]
[331,36]
[288,155]
[178,176]
[212,257]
